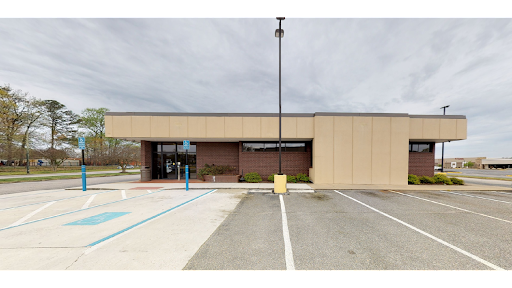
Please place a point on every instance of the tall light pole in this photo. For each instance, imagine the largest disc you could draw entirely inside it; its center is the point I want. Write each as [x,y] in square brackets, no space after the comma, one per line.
[280,34]
[442,151]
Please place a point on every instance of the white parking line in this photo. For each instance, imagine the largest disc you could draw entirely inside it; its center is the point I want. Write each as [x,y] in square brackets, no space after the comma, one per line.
[461,209]
[149,191]
[123,193]
[88,201]
[490,199]
[426,234]
[286,235]
[31,214]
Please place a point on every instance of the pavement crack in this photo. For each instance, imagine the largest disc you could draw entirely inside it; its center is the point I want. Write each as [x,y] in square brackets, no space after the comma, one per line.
[83,253]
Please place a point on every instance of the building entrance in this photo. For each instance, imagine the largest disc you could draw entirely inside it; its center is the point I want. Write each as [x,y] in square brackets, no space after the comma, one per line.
[165,159]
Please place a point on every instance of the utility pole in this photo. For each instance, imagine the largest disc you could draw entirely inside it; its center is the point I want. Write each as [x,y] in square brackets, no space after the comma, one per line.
[442,151]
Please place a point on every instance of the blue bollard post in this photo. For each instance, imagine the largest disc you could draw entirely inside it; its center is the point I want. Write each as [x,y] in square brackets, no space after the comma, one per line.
[84,188]
[186,176]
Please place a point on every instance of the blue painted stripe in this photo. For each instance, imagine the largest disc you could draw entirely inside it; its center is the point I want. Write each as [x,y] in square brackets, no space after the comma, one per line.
[146,220]
[58,215]
[55,200]
[98,219]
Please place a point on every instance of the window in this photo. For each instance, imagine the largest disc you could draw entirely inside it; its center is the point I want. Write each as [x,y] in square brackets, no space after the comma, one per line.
[420,147]
[253,147]
[274,147]
[295,147]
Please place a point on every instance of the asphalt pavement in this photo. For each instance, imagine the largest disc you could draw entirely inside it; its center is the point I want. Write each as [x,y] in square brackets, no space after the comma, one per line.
[10,188]
[160,226]
[63,174]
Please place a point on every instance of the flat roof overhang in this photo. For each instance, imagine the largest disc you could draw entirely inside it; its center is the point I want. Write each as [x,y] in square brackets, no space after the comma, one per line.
[235,127]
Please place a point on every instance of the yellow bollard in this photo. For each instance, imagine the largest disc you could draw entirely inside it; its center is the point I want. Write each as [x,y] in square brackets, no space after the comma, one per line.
[279,183]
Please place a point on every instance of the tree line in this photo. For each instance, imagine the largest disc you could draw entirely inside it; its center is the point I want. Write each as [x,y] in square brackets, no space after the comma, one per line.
[48,129]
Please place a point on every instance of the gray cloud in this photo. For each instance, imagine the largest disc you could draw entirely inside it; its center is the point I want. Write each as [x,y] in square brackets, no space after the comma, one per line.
[231,65]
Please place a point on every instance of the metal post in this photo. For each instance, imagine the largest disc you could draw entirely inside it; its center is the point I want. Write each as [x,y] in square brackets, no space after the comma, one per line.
[442,151]
[84,186]
[186,177]
[280,98]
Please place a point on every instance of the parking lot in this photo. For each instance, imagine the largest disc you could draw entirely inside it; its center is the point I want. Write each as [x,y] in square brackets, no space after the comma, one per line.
[151,228]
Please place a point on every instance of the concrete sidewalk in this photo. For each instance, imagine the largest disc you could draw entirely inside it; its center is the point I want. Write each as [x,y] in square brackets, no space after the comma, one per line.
[293,187]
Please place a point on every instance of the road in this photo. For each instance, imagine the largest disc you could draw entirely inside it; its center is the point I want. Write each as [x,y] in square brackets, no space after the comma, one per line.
[10,188]
[63,174]
[494,173]
[499,173]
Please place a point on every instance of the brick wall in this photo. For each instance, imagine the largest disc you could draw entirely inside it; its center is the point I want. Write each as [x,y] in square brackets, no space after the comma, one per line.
[266,163]
[422,163]
[218,153]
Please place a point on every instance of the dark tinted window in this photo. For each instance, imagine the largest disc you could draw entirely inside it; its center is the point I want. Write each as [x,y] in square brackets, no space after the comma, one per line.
[295,147]
[420,147]
[253,147]
[274,147]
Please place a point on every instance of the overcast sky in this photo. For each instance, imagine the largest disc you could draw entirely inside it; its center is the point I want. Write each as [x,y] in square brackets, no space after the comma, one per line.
[221,65]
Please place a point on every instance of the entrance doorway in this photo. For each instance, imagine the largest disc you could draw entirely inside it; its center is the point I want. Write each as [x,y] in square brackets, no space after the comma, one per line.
[165,159]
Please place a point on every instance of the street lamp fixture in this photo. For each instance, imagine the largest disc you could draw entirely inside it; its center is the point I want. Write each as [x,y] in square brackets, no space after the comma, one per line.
[279,179]
[280,34]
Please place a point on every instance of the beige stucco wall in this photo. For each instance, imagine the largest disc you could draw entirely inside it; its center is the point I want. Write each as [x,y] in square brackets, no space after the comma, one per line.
[361,150]
[199,127]
[437,129]
[346,149]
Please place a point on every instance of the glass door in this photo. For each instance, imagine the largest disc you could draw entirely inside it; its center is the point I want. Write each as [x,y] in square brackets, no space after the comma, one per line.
[169,169]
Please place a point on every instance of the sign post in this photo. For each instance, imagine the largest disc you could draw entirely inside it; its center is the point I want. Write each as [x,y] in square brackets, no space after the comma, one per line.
[186,146]
[186,177]
[81,146]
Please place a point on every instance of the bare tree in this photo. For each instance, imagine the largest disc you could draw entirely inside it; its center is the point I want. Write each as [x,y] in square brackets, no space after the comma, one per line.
[126,153]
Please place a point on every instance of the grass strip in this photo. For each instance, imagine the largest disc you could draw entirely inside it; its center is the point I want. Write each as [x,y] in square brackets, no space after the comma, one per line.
[33,171]
[33,179]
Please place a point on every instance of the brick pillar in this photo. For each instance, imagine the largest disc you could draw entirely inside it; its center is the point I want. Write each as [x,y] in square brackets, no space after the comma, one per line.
[145,153]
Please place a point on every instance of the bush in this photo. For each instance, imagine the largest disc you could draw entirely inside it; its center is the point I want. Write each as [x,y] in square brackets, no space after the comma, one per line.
[271,177]
[252,177]
[291,179]
[457,181]
[413,179]
[215,170]
[440,178]
[301,177]
[427,180]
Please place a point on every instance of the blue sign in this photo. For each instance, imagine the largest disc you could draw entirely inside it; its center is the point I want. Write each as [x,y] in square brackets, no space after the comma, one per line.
[81,143]
[186,144]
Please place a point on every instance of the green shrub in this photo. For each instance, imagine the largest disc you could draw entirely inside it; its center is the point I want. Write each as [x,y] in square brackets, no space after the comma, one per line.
[440,178]
[215,170]
[252,177]
[291,179]
[301,177]
[427,180]
[413,179]
[457,181]
[271,177]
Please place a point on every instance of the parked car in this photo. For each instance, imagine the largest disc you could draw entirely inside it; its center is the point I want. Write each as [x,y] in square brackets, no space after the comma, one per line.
[127,167]
[437,167]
